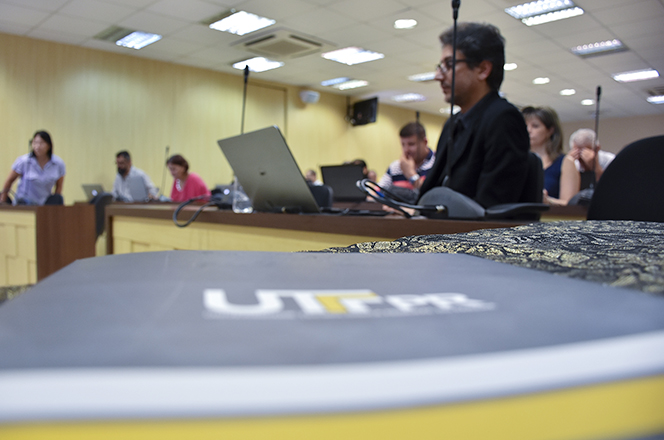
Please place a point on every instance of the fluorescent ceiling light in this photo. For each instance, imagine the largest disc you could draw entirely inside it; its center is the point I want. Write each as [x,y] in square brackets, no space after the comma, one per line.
[446,110]
[352,84]
[588,102]
[241,23]
[510,66]
[258,64]
[568,92]
[544,11]
[137,40]
[539,7]
[352,55]
[656,99]
[334,81]
[598,48]
[420,77]
[541,80]
[409,97]
[405,23]
[552,16]
[636,75]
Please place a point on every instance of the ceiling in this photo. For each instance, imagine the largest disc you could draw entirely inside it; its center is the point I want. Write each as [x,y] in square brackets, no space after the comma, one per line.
[538,51]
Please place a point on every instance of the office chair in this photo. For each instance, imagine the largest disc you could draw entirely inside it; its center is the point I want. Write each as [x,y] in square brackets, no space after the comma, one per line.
[54,199]
[632,187]
[100,201]
[459,206]
[323,195]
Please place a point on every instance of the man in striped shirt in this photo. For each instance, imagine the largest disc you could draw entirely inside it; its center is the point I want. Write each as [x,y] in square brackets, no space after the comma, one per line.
[410,170]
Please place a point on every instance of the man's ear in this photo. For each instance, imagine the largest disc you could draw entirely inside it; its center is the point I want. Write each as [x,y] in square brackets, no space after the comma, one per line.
[485,69]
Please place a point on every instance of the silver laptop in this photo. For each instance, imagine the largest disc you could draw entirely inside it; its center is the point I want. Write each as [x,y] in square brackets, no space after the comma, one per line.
[92,189]
[137,189]
[267,171]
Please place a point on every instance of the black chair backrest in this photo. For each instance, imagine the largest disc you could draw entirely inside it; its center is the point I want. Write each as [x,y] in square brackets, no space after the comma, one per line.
[100,201]
[54,199]
[632,187]
[534,187]
[323,195]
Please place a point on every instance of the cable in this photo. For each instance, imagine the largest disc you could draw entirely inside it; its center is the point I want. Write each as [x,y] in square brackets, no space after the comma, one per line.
[212,202]
[384,196]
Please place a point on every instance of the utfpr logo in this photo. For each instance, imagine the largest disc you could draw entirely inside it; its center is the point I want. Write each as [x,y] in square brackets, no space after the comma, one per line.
[339,303]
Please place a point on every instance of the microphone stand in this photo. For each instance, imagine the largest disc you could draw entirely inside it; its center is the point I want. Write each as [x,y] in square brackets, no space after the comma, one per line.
[163,173]
[595,143]
[450,145]
[244,97]
[239,199]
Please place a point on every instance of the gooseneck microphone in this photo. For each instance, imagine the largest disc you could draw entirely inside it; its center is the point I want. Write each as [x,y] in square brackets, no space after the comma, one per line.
[450,144]
[596,158]
[163,173]
[244,96]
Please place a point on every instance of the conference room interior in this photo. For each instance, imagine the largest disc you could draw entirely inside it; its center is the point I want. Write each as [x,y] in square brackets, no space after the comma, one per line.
[181,95]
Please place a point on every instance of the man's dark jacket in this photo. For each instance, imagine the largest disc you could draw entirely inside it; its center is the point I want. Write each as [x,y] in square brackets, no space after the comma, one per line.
[490,157]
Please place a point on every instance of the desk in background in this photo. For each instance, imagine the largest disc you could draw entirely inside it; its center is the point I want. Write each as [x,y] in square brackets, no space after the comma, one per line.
[145,228]
[36,241]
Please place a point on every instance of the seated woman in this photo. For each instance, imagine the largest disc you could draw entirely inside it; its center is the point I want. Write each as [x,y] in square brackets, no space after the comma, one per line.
[39,171]
[546,140]
[186,185]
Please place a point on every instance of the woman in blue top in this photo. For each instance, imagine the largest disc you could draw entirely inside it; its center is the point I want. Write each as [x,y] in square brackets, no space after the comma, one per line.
[40,170]
[546,140]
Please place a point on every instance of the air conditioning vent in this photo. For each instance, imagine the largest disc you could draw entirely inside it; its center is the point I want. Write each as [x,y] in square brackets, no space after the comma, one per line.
[283,44]
[113,33]
[656,91]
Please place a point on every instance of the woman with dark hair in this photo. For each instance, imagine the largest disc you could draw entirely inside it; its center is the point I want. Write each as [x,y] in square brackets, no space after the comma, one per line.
[39,171]
[186,185]
[546,140]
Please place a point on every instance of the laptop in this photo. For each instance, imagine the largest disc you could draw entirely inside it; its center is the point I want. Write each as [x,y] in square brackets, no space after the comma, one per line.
[342,179]
[137,189]
[92,189]
[267,171]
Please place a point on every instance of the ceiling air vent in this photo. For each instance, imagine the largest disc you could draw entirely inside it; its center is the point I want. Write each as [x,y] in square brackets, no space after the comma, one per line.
[282,44]
[113,33]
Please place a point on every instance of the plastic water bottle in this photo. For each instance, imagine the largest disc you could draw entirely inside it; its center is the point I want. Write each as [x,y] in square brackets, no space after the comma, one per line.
[241,202]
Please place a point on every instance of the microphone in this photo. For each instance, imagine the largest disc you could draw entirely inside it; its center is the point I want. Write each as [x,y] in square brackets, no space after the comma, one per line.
[450,145]
[598,94]
[244,96]
[163,174]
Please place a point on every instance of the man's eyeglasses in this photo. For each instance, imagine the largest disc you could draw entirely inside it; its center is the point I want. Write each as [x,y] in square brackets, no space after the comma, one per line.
[446,65]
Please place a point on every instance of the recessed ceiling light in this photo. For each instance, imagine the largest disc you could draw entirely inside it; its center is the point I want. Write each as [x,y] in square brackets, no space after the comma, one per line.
[588,102]
[352,84]
[334,81]
[420,77]
[138,40]
[598,48]
[544,11]
[241,23]
[258,64]
[409,97]
[636,75]
[656,99]
[405,23]
[541,80]
[568,92]
[352,55]
[510,66]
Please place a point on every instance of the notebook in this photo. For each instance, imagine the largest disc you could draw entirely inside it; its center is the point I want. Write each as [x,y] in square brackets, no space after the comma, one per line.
[267,171]
[342,179]
[92,189]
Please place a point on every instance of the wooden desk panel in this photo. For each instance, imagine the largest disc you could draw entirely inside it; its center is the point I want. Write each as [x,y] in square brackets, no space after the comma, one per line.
[136,228]
[36,241]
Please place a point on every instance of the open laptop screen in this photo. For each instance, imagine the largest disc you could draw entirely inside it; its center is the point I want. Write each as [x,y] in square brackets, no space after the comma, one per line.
[267,171]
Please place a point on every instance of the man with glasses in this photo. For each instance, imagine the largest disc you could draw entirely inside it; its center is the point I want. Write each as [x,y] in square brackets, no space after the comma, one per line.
[128,178]
[487,157]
